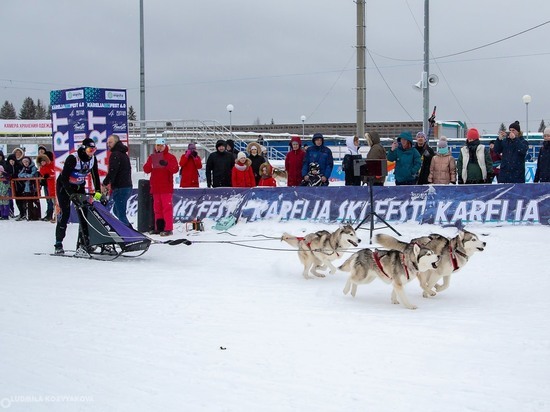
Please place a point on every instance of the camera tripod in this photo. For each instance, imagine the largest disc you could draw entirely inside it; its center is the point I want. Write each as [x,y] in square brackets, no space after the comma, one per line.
[371,214]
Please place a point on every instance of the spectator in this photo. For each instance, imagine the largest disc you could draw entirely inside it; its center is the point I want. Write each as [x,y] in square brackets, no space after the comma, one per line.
[543,162]
[72,181]
[190,163]
[260,140]
[314,176]
[254,150]
[407,160]
[320,154]
[513,149]
[46,168]
[495,158]
[119,177]
[474,165]
[230,148]
[18,154]
[352,146]
[426,155]
[242,175]
[443,165]
[219,166]
[162,165]
[4,192]
[43,150]
[294,161]
[376,152]
[31,208]
[10,170]
[266,173]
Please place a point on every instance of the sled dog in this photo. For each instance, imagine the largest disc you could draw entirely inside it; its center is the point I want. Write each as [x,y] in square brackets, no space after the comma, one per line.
[391,266]
[455,253]
[318,250]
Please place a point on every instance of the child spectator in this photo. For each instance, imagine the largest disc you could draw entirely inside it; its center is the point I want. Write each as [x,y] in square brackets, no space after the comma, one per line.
[30,208]
[47,171]
[315,178]
[242,175]
[266,175]
[442,165]
[4,192]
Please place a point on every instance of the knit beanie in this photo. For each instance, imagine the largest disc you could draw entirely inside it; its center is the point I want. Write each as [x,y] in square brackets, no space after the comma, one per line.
[241,155]
[220,143]
[515,126]
[421,134]
[547,131]
[472,134]
[442,146]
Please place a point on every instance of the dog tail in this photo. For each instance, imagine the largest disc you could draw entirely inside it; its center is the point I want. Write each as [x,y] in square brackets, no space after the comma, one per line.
[347,265]
[389,242]
[291,240]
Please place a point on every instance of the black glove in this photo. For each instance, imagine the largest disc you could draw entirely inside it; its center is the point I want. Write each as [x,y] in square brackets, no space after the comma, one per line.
[194,153]
[163,162]
[76,198]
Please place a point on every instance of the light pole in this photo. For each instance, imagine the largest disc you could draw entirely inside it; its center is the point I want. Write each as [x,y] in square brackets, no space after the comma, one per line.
[303,119]
[526,99]
[230,110]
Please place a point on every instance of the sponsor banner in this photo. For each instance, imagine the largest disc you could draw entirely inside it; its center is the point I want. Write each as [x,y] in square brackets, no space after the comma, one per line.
[87,112]
[440,205]
[25,126]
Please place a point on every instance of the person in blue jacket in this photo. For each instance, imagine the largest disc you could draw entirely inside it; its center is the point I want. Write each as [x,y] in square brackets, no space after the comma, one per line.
[320,154]
[513,148]
[407,160]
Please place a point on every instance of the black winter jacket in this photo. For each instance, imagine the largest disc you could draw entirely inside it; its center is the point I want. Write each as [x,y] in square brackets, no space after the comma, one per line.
[120,170]
[543,164]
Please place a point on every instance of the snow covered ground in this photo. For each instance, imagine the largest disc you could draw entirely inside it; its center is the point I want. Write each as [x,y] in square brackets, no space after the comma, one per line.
[217,326]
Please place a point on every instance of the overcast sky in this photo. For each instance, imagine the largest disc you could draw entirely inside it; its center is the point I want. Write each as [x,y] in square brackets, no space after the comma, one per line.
[283,59]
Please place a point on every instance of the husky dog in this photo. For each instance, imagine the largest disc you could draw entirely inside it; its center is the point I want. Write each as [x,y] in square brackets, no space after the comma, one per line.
[454,253]
[280,175]
[392,266]
[317,250]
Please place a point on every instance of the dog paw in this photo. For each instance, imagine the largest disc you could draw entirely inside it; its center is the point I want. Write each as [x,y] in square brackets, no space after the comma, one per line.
[412,307]
[429,294]
[319,275]
[438,287]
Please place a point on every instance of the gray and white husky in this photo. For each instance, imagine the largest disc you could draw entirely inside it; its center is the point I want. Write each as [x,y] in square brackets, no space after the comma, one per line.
[318,250]
[391,266]
[455,253]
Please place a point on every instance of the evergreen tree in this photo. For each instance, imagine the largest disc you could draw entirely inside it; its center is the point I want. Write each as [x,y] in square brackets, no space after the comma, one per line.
[8,111]
[28,109]
[49,112]
[542,126]
[502,128]
[40,110]
[131,113]
[257,122]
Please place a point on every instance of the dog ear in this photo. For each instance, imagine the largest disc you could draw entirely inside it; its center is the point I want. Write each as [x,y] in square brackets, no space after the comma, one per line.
[416,249]
[461,235]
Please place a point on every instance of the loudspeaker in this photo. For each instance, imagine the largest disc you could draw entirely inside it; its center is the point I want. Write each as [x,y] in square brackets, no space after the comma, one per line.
[433,80]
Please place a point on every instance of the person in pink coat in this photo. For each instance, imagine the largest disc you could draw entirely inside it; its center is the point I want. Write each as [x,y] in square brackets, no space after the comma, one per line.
[190,163]
[162,165]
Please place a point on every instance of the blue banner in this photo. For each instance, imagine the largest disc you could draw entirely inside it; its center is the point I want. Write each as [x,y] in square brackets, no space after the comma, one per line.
[440,205]
[87,112]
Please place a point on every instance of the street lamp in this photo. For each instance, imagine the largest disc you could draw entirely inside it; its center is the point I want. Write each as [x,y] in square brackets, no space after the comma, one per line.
[303,119]
[230,110]
[526,99]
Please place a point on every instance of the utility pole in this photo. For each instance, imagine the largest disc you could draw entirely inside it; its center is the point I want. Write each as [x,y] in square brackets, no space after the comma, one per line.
[426,72]
[361,81]
[143,131]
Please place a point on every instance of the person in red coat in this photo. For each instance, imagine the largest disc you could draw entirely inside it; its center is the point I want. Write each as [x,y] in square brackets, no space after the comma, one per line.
[162,165]
[242,174]
[46,168]
[294,161]
[190,163]
[266,175]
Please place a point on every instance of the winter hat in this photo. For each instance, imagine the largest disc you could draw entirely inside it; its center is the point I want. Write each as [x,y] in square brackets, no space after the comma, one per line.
[295,139]
[191,146]
[406,136]
[442,146]
[230,143]
[472,134]
[546,131]
[42,158]
[515,126]
[421,134]
[88,142]
[240,156]
[220,143]
[317,136]
[314,166]
[160,141]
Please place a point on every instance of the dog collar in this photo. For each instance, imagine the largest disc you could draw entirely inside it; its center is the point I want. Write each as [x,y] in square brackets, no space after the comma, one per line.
[376,257]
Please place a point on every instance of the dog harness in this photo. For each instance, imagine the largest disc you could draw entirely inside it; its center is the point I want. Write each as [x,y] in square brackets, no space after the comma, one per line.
[454,260]
[376,257]
[308,244]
